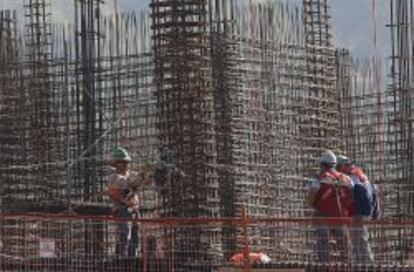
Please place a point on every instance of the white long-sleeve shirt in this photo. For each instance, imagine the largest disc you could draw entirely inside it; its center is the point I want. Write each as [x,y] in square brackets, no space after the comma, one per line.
[124,183]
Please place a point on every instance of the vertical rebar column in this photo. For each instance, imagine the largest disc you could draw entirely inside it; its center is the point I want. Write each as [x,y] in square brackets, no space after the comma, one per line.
[402,22]
[38,102]
[321,118]
[343,63]
[403,83]
[185,97]
[9,103]
[89,148]
[89,124]
[186,113]
[224,79]
[258,68]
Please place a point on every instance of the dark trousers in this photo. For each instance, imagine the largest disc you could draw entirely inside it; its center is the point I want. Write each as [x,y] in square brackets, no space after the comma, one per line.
[127,234]
[338,234]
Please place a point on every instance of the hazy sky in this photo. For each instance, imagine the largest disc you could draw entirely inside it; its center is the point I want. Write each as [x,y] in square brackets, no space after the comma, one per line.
[352,21]
[353,24]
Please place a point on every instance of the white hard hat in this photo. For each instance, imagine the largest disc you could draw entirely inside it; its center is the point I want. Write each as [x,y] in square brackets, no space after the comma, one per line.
[342,160]
[328,157]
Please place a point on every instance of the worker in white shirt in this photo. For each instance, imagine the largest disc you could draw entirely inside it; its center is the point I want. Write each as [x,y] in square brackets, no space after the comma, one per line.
[122,189]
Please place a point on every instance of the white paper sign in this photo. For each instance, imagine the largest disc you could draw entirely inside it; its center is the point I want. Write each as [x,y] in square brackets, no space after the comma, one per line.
[47,248]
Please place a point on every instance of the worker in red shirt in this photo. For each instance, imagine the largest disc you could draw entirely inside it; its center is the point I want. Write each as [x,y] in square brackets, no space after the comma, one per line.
[330,194]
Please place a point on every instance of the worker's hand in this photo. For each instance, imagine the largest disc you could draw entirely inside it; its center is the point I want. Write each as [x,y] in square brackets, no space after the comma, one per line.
[132,202]
[148,167]
[143,179]
[346,181]
[310,200]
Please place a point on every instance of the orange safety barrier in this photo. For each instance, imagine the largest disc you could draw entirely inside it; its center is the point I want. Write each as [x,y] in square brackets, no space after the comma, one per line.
[40,242]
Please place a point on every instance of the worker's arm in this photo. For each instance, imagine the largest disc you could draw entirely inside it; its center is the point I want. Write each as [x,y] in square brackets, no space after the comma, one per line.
[141,182]
[346,181]
[314,186]
[142,178]
[310,200]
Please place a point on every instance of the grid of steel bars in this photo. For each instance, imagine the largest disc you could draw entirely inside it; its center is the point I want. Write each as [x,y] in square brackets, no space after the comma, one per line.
[240,97]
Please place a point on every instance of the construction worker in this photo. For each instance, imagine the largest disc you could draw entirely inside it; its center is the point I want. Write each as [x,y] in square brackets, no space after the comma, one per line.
[330,194]
[366,208]
[122,190]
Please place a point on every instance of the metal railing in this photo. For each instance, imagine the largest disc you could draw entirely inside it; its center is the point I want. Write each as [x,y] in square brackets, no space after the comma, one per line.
[39,242]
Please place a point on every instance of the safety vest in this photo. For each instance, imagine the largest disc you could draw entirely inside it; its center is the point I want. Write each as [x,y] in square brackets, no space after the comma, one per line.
[334,197]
